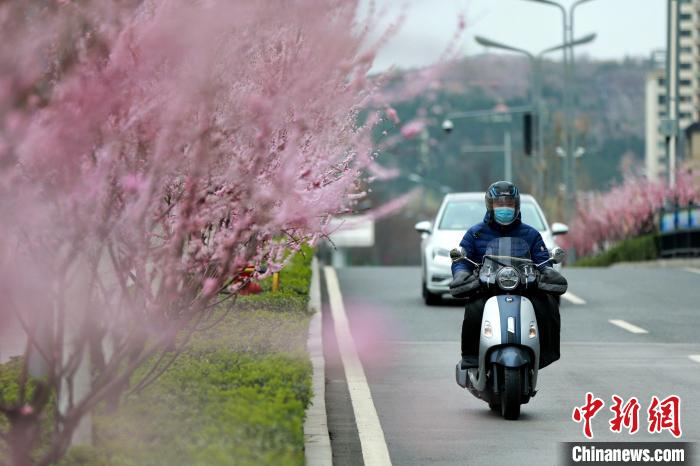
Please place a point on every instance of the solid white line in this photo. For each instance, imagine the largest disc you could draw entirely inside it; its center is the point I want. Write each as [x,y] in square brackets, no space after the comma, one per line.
[627,326]
[572,298]
[692,270]
[695,357]
[374,449]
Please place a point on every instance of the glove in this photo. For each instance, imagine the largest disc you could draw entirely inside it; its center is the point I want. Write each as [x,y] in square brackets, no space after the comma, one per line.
[552,282]
[465,285]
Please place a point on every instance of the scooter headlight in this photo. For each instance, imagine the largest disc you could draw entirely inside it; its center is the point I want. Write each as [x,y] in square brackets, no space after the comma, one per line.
[533,330]
[488,331]
[508,278]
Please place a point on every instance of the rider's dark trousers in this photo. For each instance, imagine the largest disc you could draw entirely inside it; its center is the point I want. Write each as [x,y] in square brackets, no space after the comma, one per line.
[548,320]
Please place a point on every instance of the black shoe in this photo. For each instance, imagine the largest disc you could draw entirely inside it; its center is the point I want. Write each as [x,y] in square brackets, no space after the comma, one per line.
[469,362]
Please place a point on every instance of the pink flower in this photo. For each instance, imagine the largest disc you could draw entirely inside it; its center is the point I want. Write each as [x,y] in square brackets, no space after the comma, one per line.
[393,115]
[412,129]
[26,410]
[209,286]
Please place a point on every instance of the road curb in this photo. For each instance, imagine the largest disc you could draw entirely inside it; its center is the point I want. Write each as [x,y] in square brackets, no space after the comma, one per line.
[317,442]
[671,263]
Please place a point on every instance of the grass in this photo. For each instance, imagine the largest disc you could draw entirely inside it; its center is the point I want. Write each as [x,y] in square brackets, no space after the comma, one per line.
[637,249]
[236,396]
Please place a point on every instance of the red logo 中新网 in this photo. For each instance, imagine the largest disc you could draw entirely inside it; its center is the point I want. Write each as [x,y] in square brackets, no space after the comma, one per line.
[661,415]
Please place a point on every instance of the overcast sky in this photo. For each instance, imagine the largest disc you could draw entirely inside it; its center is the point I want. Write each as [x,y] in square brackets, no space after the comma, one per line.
[624,27]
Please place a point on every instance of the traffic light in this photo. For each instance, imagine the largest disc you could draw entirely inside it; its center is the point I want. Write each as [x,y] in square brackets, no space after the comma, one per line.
[528,129]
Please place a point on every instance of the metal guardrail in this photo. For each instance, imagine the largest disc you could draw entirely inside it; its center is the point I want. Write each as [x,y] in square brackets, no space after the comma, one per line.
[679,231]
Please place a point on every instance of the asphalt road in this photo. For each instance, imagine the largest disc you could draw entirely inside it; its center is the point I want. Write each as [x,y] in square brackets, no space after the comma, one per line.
[409,352]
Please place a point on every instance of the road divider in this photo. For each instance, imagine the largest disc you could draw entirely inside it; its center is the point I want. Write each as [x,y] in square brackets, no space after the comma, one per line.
[627,326]
[374,449]
[572,298]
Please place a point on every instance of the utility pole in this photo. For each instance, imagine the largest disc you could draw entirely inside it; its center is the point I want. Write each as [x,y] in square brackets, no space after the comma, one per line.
[507,155]
[669,126]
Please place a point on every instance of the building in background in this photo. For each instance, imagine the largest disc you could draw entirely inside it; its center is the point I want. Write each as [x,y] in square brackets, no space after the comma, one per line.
[692,147]
[655,111]
[688,90]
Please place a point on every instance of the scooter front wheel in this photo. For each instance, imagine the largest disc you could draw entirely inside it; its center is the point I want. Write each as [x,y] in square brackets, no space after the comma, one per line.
[512,389]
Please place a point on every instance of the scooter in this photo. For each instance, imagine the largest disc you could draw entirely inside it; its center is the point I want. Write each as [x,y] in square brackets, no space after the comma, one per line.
[509,346]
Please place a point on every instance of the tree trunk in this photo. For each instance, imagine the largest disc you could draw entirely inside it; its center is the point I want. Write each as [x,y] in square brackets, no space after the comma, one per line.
[22,439]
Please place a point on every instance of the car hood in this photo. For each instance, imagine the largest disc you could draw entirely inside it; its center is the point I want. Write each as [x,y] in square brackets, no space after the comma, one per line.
[447,239]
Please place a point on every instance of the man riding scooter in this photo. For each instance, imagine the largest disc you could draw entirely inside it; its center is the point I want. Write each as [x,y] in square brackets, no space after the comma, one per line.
[503,220]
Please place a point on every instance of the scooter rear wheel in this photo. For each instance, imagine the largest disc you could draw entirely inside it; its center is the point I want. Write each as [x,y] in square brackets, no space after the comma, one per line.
[512,389]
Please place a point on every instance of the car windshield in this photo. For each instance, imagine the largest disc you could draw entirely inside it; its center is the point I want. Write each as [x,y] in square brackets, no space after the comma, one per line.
[462,215]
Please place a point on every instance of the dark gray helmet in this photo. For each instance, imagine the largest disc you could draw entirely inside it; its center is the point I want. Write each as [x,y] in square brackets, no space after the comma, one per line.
[501,190]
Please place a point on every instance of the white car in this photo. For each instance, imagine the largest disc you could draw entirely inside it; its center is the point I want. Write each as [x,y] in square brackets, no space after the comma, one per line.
[458,213]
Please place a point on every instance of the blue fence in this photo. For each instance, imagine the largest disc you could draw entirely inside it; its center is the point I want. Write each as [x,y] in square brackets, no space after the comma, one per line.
[679,231]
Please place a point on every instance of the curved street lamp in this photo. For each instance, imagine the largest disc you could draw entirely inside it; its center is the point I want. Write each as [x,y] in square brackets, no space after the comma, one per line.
[535,63]
[569,134]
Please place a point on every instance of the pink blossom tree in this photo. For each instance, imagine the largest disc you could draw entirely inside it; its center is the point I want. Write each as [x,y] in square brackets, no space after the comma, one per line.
[149,151]
[625,211]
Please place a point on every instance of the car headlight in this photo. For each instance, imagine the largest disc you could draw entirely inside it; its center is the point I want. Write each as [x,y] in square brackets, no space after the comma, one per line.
[508,278]
[440,252]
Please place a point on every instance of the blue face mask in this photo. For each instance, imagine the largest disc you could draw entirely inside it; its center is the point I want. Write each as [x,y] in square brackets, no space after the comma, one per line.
[504,215]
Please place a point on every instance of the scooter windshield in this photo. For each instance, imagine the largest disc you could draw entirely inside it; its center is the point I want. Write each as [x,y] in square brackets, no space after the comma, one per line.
[507,252]
[507,248]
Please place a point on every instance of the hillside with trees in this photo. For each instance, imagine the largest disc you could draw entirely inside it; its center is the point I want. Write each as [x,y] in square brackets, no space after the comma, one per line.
[609,101]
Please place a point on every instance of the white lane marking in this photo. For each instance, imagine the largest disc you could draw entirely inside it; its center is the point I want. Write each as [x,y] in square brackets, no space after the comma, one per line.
[374,448]
[695,357]
[572,298]
[627,326]
[692,270]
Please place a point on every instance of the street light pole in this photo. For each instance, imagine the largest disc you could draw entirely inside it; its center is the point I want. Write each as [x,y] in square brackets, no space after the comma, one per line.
[536,71]
[671,129]
[566,127]
[569,174]
[574,94]
[508,156]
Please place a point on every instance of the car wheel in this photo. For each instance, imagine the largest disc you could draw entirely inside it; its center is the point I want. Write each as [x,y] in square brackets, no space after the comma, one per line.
[430,298]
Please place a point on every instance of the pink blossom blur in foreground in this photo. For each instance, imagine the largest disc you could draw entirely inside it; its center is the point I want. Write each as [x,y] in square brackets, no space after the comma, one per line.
[627,210]
[148,152]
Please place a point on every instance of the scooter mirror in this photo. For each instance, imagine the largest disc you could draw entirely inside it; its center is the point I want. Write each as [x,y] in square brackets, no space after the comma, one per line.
[557,254]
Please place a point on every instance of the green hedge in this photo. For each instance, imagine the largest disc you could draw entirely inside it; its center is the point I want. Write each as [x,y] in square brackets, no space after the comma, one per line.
[217,408]
[236,396]
[642,248]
